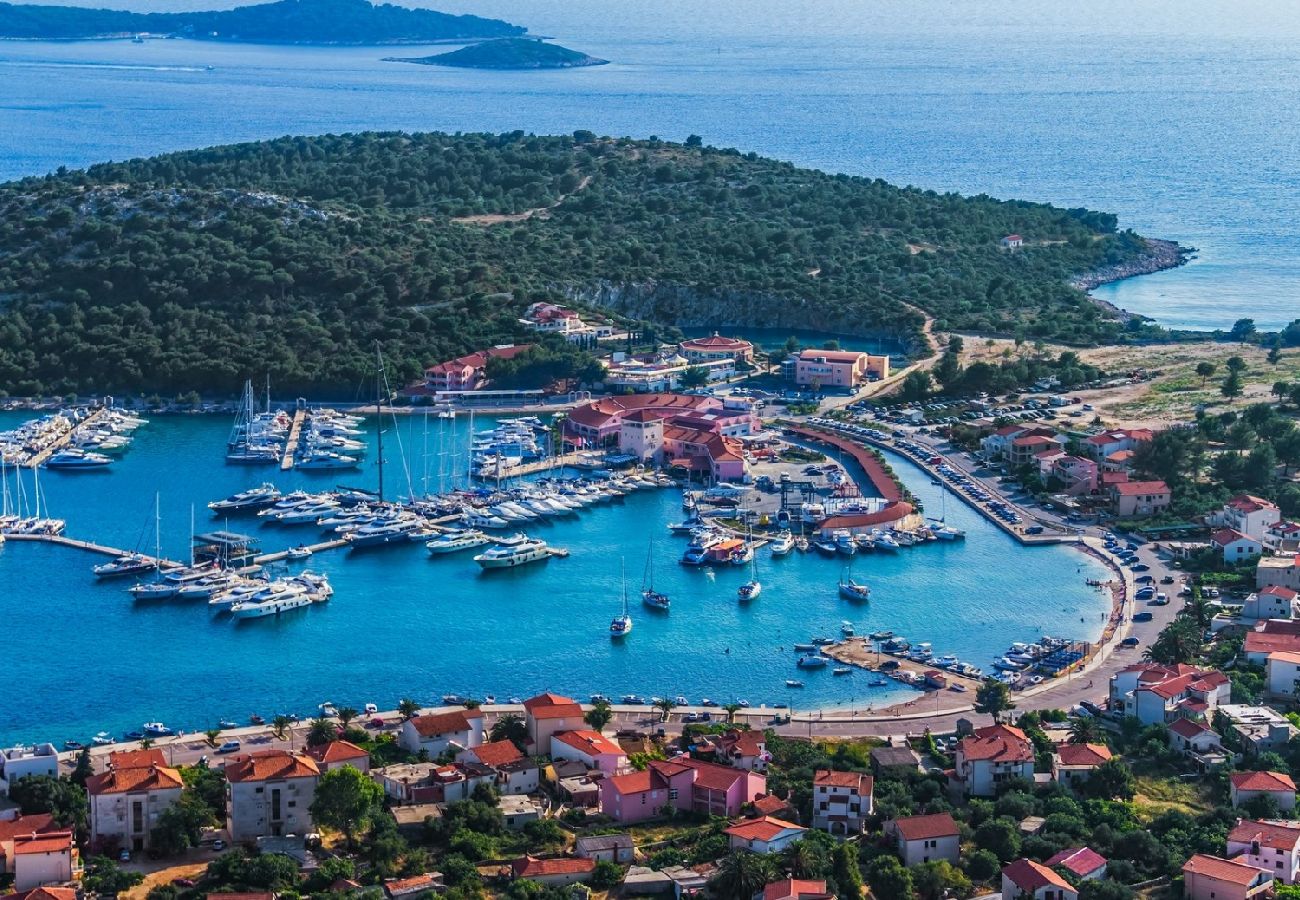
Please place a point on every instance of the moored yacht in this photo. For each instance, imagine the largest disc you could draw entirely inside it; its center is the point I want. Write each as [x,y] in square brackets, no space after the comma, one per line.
[130,564]
[513,551]
[70,458]
[454,541]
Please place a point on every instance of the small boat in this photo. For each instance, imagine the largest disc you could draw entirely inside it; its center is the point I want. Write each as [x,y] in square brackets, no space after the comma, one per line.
[73,745]
[155,729]
[649,596]
[621,625]
[851,590]
[846,629]
[255,719]
[881,635]
[454,541]
[793,683]
[877,682]
[225,724]
[631,700]
[960,688]
[103,739]
[813,661]
[842,670]
[783,544]
[452,699]
[300,552]
[805,647]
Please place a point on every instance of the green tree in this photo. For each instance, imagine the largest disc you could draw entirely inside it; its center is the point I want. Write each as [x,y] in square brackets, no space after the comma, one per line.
[180,826]
[982,865]
[888,878]
[1233,385]
[993,698]
[84,768]
[1110,890]
[1205,370]
[606,875]
[510,727]
[599,715]
[62,798]
[731,709]
[694,377]
[665,705]
[938,879]
[1112,780]
[1000,837]
[212,737]
[916,386]
[346,800]
[742,874]
[408,709]
[280,726]
[346,715]
[321,732]
[1084,730]
[1235,364]
[103,876]
[846,872]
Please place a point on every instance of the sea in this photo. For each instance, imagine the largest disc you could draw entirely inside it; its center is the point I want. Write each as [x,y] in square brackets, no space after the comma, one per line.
[404,624]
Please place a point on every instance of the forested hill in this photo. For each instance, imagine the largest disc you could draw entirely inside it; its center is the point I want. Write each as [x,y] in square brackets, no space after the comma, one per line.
[195,270]
[282,22]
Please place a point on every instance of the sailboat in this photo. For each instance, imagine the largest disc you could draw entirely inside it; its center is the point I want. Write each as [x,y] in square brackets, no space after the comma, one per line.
[649,596]
[621,624]
[851,590]
[752,588]
[941,529]
[158,589]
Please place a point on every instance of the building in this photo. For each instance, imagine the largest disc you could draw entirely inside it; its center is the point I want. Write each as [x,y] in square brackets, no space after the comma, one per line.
[1012,242]
[1073,764]
[1129,499]
[18,827]
[468,373]
[41,859]
[661,373]
[518,810]
[842,801]
[1077,475]
[515,773]
[1280,571]
[1282,672]
[744,750]
[990,756]
[716,347]
[1246,786]
[1234,546]
[1197,741]
[765,835]
[19,762]
[923,839]
[553,872]
[44,893]
[1155,694]
[548,318]
[438,733]
[414,886]
[1024,879]
[797,889]
[844,369]
[1283,537]
[900,759]
[125,802]
[1259,729]
[591,748]
[548,714]
[269,793]
[615,848]
[1208,877]
[1106,447]
[679,783]
[1083,863]
[1025,448]
[1273,602]
[1271,846]
[340,753]
[1249,515]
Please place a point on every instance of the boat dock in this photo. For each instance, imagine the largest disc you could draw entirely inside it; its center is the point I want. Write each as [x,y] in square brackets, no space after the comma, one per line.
[91,547]
[859,652]
[291,445]
[531,468]
[58,443]
[278,555]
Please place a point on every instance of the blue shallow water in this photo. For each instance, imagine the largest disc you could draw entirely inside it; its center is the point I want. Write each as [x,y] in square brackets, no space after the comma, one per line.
[1182,119]
[404,624]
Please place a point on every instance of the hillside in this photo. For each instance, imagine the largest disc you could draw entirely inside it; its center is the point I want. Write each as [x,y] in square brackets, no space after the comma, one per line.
[282,22]
[194,270]
[510,53]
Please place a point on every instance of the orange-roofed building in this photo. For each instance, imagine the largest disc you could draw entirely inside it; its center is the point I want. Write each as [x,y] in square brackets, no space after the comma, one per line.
[1024,878]
[797,889]
[844,369]
[269,793]
[990,756]
[681,783]
[41,859]
[468,373]
[716,346]
[765,835]
[126,801]
[1246,786]
[1208,877]
[21,826]
[134,759]
[435,734]
[591,748]
[44,893]
[744,750]
[1139,498]
[923,839]
[841,801]
[549,714]
[1073,764]
[553,872]
[340,753]
[515,773]
[1272,846]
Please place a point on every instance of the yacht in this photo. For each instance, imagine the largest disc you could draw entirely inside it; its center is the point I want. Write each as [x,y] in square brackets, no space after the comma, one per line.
[621,625]
[272,600]
[324,460]
[476,518]
[946,532]
[513,551]
[130,564]
[72,458]
[783,544]
[884,542]
[223,600]
[845,542]
[813,661]
[454,541]
[254,498]
[384,532]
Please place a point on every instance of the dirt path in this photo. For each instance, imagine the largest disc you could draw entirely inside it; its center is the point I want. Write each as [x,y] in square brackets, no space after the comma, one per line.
[540,211]
[152,880]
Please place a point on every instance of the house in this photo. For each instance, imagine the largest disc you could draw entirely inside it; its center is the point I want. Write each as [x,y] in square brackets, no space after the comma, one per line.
[796,889]
[1024,878]
[44,893]
[1077,475]
[1084,863]
[715,347]
[1024,449]
[125,802]
[771,805]
[846,369]
[518,810]
[990,756]
[434,782]
[744,750]
[1073,764]
[923,839]
[548,714]
[435,734]
[1012,242]
[998,444]
[468,373]
[1282,675]
[1197,741]
[340,753]
[553,872]
[615,848]
[18,762]
[428,883]
[22,826]
[901,759]
[842,801]
[1107,447]
[549,318]
[515,773]
[1249,515]
[1245,786]
[591,748]
[270,793]
[1208,877]
[1154,694]
[1273,602]
[1258,729]
[1139,498]
[1271,846]
[1234,546]
[1283,537]
[765,835]
[40,859]
[679,783]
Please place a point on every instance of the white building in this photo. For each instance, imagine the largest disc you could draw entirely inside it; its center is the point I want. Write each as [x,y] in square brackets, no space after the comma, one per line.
[1275,602]
[765,835]
[1259,728]
[19,762]
[41,859]
[1249,515]
[269,793]
[1282,571]
[841,801]
[1024,879]
[1271,846]
[923,839]
[435,734]
[1245,786]
[990,756]
[1283,674]
[125,803]
[1235,546]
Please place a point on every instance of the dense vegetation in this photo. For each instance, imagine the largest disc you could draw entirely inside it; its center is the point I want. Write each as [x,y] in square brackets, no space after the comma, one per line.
[510,53]
[292,257]
[283,22]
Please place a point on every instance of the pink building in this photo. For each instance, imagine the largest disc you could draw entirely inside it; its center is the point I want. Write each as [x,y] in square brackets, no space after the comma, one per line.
[591,748]
[1139,498]
[838,368]
[466,373]
[1079,475]
[683,784]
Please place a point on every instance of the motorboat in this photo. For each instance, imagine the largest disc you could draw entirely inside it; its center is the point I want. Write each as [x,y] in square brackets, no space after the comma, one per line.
[480,519]
[300,552]
[846,629]
[793,683]
[513,551]
[877,682]
[129,564]
[70,458]
[455,541]
[804,648]
[155,729]
[813,661]
[102,739]
[324,460]
[881,635]
[272,600]
[842,670]
[255,498]
[380,533]
[782,544]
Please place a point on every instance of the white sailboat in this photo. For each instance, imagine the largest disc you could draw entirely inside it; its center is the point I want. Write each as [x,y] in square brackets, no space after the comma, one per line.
[752,588]
[851,590]
[622,624]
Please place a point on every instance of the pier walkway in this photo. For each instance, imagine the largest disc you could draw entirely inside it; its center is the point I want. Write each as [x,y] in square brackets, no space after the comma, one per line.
[89,546]
[531,468]
[291,445]
[39,457]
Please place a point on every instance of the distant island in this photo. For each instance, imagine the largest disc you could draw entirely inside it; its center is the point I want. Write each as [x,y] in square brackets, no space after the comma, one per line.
[283,22]
[508,53]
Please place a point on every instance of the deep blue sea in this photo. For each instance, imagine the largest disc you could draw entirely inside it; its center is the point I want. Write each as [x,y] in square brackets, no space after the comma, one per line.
[404,624]
[1182,116]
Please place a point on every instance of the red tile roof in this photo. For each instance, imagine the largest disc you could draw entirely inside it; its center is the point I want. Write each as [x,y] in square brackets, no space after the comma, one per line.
[130,759]
[477,360]
[709,776]
[1029,876]
[552,706]
[1262,781]
[1224,870]
[591,743]
[439,724]
[1249,503]
[497,753]
[1278,590]
[918,828]
[997,743]
[771,804]
[795,889]
[1270,642]
[50,842]
[716,342]
[1276,835]
[1079,861]
[1187,728]
[892,512]
[764,829]
[45,893]
[857,781]
[37,823]
[131,780]
[528,867]
[1132,488]
[270,765]
[1225,536]
[634,782]
[1083,754]
[743,743]
[425,882]
[337,752]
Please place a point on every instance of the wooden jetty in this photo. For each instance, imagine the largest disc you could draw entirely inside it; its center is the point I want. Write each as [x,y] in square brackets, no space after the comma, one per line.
[291,445]
[39,458]
[860,652]
[90,547]
[278,555]
[530,468]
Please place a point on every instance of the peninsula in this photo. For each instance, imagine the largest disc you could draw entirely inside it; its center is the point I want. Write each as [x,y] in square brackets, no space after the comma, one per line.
[509,53]
[356,22]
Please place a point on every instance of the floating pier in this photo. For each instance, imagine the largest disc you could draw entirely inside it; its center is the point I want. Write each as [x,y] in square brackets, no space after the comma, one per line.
[39,457]
[530,468]
[291,445]
[90,547]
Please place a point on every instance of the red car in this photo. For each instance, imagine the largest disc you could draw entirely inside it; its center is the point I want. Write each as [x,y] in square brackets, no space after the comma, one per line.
[375,723]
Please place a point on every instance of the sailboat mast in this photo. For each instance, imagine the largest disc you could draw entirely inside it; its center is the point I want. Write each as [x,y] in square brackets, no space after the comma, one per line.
[157,531]
[379,417]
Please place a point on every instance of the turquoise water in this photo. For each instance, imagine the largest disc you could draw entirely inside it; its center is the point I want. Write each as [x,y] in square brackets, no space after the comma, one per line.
[403,624]
[1182,118]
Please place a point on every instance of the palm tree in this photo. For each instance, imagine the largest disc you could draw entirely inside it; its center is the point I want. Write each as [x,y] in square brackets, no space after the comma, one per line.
[280,726]
[408,709]
[346,714]
[146,743]
[731,710]
[599,715]
[211,736]
[801,860]
[742,874]
[322,731]
[471,703]
[665,706]
[1084,731]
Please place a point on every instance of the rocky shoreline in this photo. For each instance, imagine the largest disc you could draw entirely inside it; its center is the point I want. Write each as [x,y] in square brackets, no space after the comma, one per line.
[1160,255]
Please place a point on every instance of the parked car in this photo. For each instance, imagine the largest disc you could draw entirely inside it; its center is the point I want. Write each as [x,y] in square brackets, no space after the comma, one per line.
[1129,642]
[231,746]
[1142,617]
